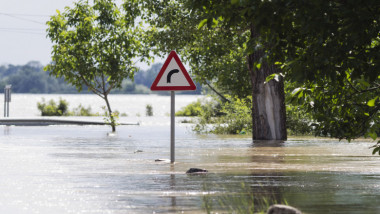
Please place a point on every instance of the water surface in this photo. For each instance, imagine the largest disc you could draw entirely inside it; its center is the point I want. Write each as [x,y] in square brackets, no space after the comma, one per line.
[80,169]
[83,169]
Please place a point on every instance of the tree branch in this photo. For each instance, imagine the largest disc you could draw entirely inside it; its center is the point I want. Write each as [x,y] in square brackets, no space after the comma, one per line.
[216,92]
[96,91]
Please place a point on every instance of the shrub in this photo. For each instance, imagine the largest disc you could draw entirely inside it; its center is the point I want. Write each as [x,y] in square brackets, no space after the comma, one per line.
[236,117]
[298,121]
[149,110]
[52,109]
[191,110]
[232,117]
[82,111]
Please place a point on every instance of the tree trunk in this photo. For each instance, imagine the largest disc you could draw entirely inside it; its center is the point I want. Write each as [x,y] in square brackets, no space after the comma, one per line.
[268,99]
[110,114]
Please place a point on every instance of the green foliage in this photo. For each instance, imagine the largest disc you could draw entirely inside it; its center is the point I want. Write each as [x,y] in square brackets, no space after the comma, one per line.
[94,45]
[232,117]
[298,121]
[82,111]
[110,119]
[340,110]
[216,57]
[149,110]
[191,110]
[330,49]
[30,78]
[236,117]
[376,148]
[51,108]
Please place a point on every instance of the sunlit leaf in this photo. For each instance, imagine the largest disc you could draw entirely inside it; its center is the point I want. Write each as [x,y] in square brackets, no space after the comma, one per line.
[371,103]
[202,23]
[258,65]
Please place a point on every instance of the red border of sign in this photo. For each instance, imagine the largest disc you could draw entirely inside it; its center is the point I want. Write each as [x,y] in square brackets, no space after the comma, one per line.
[191,87]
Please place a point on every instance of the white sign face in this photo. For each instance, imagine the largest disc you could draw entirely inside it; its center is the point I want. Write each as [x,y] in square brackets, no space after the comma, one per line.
[173,76]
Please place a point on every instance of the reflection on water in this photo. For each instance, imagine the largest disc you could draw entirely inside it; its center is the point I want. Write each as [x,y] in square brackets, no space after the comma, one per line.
[79,169]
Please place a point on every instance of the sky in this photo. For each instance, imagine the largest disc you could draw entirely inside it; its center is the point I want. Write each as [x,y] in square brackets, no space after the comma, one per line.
[23,30]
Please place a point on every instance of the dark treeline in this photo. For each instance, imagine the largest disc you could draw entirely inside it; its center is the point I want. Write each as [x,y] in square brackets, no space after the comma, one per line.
[31,78]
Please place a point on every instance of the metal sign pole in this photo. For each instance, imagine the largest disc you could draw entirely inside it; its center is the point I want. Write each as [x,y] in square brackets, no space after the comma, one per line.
[172,127]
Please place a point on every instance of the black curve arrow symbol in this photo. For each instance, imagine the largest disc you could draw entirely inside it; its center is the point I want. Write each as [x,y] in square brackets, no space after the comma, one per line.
[170,74]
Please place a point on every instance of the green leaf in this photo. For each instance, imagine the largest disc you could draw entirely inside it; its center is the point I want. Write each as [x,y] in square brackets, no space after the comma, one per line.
[258,65]
[214,23]
[234,1]
[371,103]
[296,91]
[375,150]
[269,78]
[373,135]
[202,23]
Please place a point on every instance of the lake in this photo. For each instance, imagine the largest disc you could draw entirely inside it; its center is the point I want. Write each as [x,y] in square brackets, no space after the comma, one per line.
[83,169]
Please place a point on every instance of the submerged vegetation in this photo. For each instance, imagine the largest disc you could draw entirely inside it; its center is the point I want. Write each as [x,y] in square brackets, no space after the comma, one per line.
[149,110]
[52,108]
[61,108]
[212,115]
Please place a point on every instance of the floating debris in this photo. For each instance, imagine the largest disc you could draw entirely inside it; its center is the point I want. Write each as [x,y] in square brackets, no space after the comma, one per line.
[196,171]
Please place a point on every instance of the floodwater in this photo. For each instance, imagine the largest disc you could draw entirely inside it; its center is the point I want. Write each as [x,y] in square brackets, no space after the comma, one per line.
[84,169]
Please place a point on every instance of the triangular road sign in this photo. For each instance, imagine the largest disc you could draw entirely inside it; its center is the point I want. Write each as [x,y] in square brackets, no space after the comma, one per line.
[173,76]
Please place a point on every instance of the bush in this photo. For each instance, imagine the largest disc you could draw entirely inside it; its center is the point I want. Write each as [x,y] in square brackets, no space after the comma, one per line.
[82,111]
[298,122]
[225,118]
[52,109]
[191,110]
[149,110]
[236,118]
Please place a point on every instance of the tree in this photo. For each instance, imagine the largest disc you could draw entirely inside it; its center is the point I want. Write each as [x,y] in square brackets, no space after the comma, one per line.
[330,49]
[222,53]
[93,45]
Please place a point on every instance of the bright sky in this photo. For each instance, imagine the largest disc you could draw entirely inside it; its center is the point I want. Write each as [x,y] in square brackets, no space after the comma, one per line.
[23,30]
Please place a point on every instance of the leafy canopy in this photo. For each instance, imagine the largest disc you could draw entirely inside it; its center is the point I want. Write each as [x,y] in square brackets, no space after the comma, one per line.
[328,50]
[94,45]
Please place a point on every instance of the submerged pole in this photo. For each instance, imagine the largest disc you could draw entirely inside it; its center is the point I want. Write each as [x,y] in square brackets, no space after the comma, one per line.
[7,99]
[172,127]
[7,109]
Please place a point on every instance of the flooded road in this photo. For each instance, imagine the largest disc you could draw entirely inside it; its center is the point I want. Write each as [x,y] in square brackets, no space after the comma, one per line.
[81,169]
